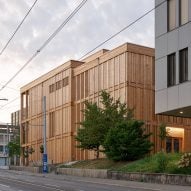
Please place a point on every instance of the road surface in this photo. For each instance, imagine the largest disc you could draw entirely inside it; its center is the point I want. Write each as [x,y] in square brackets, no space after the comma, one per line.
[25,181]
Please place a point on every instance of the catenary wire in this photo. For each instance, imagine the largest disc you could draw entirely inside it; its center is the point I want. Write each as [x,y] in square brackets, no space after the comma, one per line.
[46,42]
[123,29]
[114,35]
[3,49]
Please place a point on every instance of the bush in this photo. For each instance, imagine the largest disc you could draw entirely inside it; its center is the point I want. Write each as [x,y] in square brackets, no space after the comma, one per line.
[162,162]
[127,141]
[185,161]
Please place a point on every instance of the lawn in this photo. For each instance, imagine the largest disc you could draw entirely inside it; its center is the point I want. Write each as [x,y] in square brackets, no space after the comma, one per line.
[149,164]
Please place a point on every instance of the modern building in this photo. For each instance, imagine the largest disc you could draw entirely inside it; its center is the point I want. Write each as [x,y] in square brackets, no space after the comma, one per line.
[15,123]
[5,137]
[126,72]
[15,118]
[173,60]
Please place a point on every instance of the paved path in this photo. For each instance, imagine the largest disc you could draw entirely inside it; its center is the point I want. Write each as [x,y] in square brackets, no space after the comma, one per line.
[25,181]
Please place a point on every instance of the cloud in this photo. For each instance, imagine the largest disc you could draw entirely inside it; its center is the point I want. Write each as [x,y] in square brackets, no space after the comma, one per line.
[94,23]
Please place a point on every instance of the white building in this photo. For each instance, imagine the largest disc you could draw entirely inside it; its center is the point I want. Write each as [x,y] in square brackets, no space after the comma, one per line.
[173,65]
[173,57]
[5,137]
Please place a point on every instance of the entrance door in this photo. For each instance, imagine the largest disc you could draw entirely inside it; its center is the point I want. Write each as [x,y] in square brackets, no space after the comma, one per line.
[173,144]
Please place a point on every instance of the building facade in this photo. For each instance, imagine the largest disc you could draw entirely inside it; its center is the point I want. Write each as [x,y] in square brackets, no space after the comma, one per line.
[173,57]
[126,72]
[5,136]
[173,60]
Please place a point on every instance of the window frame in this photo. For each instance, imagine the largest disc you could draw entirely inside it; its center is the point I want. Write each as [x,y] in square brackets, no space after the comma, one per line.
[183,68]
[180,13]
[171,70]
[168,16]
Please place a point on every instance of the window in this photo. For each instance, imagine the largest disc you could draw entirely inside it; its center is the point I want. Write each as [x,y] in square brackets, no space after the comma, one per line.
[1,148]
[52,88]
[171,70]
[183,65]
[65,81]
[183,15]
[58,85]
[171,14]
[51,124]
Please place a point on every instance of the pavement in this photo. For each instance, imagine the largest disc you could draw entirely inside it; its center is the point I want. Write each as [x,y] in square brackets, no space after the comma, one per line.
[25,181]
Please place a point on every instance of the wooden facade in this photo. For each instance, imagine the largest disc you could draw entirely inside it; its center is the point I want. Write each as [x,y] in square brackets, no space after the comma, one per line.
[126,72]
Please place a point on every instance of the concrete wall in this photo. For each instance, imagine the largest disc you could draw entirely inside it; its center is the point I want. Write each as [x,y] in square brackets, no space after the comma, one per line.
[83,172]
[141,177]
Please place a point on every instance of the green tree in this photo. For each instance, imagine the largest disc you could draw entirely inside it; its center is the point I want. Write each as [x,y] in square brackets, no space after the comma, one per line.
[91,134]
[163,134]
[14,147]
[127,141]
[114,111]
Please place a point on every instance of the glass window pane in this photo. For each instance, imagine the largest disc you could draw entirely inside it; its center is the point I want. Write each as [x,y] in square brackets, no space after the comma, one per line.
[183,65]
[176,145]
[171,14]
[169,144]
[183,11]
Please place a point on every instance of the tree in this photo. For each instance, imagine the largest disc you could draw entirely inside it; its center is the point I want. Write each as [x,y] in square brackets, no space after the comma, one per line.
[14,147]
[127,141]
[91,134]
[163,134]
[112,128]
[114,111]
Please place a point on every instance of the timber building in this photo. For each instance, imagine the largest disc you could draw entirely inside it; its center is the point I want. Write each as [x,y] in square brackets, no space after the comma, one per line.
[126,72]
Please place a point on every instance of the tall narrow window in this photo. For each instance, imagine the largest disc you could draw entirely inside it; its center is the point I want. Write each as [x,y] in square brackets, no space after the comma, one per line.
[183,65]
[183,15]
[171,70]
[171,14]
[51,124]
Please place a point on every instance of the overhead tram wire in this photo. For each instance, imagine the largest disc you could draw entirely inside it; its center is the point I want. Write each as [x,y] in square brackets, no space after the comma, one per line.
[9,102]
[123,29]
[47,41]
[3,49]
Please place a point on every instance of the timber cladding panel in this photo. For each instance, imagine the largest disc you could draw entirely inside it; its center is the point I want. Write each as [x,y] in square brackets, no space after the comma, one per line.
[126,72]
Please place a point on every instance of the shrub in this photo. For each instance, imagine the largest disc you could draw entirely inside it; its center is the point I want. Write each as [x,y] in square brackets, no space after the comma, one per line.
[162,162]
[127,141]
[185,161]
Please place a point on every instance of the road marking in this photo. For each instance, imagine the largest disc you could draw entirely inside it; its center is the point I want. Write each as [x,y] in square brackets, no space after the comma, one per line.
[29,183]
[53,185]
[113,184]
[5,185]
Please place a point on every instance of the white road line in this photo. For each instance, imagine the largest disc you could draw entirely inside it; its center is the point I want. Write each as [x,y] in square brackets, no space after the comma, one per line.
[53,185]
[5,185]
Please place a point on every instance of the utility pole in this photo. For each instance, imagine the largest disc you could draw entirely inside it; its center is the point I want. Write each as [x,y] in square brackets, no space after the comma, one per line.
[7,151]
[45,158]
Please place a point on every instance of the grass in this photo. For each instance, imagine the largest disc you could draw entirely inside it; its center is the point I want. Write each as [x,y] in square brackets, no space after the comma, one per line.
[96,164]
[148,164]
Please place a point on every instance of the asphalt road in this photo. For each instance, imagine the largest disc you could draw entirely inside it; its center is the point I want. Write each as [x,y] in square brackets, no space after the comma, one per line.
[24,181]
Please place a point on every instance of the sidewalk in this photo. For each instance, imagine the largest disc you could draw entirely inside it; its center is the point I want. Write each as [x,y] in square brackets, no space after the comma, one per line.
[128,184]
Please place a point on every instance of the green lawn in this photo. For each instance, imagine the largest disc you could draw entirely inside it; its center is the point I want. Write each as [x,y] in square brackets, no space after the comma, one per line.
[148,165]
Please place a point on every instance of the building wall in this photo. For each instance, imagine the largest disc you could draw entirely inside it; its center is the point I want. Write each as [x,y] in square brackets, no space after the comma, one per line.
[126,72]
[171,100]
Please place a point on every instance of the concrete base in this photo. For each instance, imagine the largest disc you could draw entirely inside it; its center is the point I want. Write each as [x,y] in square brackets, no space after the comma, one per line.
[4,167]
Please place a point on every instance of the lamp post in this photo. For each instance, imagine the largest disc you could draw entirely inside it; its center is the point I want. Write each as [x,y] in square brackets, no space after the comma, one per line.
[45,158]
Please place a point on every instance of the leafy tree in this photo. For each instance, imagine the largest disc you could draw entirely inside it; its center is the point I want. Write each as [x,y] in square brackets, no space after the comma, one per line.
[14,147]
[41,149]
[114,111]
[112,127]
[127,141]
[163,134]
[91,134]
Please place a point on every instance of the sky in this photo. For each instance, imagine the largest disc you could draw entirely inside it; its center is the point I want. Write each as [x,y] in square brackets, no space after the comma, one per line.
[93,24]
